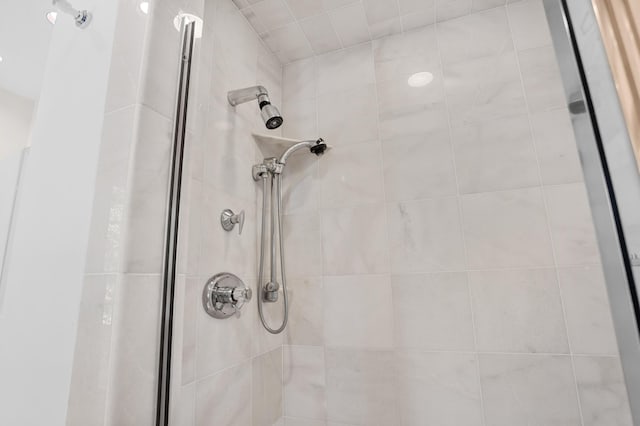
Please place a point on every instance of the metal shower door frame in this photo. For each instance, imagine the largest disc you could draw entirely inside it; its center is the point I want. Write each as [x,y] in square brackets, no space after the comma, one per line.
[169,266]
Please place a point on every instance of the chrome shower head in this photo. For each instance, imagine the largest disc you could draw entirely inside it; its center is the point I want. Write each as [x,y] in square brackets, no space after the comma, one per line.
[269,113]
[271,116]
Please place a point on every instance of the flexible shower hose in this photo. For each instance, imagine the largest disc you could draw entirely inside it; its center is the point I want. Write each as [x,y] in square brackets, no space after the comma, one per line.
[276,209]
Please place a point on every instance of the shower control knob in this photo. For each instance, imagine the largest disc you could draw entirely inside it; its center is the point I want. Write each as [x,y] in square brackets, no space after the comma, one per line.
[242,294]
[229,219]
[224,295]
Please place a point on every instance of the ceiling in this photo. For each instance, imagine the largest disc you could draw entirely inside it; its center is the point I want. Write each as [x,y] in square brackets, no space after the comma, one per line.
[24,43]
[297,29]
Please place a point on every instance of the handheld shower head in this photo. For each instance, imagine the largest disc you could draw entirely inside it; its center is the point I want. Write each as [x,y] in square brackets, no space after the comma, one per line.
[269,113]
[317,147]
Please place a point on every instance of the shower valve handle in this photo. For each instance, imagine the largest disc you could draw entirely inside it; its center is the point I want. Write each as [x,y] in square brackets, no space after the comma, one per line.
[229,219]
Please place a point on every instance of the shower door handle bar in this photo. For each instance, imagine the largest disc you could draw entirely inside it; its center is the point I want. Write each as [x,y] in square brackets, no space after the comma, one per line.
[171,233]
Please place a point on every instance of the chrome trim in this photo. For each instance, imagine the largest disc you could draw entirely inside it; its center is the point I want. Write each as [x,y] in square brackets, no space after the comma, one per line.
[602,198]
[169,267]
[229,220]
[82,18]
[248,94]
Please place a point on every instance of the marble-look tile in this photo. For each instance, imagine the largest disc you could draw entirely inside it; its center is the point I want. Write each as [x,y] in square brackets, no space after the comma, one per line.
[301,119]
[385,28]
[506,229]
[474,36]
[345,70]
[450,9]
[586,305]
[305,8]
[303,245]
[291,421]
[159,68]
[90,374]
[360,387]
[518,311]
[405,111]
[571,225]
[306,312]
[192,215]
[301,185]
[304,382]
[438,389]
[289,43]
[350,23]
[425,236]
[370,320]
[266,387]
[432,312]
[184,411]
[223,397]
[556,147]
[416,6]
[230,174]
[541,79]
[348,117]
[484,89]
[148,191]
[529,24]
[299,80]
[418,20]
[320,34]
[495,155]
[192,302]
[272,13]
[380,10]
[419,166]
[352,175]
[531,390]
[602,391]
[222,250]
[236,333]
[354,240]
[486,4]
[404,54]
[105,252]
[131,395]
[126,59]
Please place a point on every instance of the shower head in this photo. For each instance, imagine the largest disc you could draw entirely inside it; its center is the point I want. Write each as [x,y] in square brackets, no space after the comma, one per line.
[269,113]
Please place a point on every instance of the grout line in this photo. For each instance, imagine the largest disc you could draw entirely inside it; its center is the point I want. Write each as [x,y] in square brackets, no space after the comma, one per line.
[385,210]
[455,351]
[453,271]
[547,221]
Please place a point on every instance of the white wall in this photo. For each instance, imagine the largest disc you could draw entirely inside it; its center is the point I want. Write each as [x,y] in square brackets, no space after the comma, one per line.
[15,121]
[16,113]
[45,270]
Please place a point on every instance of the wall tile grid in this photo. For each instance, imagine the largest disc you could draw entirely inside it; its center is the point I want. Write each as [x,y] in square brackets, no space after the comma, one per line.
[442,260]
[298,29]
[224,372]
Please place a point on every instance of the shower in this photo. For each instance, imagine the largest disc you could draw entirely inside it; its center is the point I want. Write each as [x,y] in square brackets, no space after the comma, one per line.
[269,113]
[270,173]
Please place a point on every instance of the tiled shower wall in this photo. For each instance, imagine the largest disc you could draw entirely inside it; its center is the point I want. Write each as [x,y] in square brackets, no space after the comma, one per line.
[224,372]
[442,259]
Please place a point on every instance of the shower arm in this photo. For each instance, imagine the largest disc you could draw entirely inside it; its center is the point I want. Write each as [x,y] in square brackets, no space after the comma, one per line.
[82,17]
[241,96]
